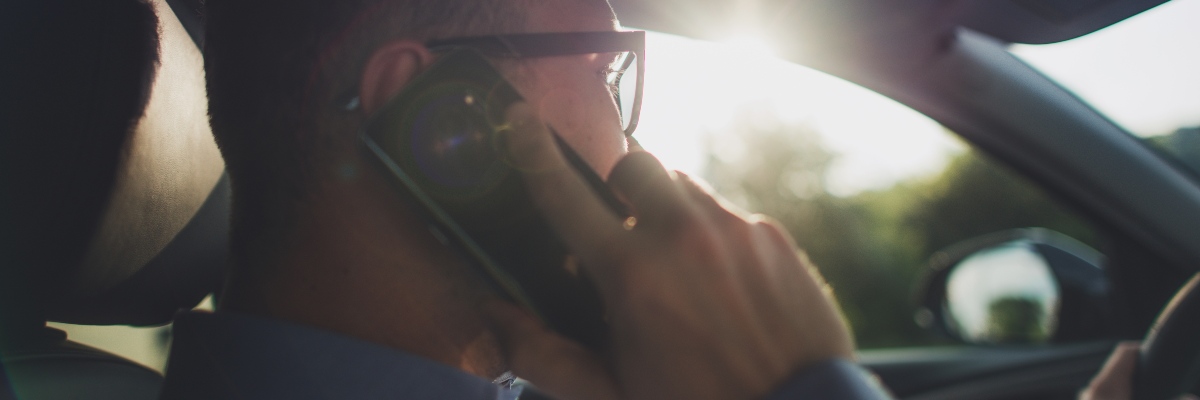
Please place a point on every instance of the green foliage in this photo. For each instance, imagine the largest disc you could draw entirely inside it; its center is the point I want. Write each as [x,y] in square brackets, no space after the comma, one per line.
[873,247]
[1017,320]
[1183,146]
[975,196]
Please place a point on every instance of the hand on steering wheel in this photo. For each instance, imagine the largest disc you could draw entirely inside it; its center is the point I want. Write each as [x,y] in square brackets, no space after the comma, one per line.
[1169,363]
[1165,366]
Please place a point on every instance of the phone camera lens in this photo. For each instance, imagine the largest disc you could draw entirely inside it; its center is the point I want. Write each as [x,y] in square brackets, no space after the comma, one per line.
[453,142]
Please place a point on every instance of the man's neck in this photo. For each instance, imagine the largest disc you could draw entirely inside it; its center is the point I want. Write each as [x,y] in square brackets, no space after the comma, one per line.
[359,264]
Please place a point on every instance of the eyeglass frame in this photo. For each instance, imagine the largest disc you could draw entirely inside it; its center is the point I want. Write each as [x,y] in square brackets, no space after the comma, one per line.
[532,45]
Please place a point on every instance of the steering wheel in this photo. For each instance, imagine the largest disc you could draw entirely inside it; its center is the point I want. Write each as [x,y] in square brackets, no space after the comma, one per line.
[1169,363]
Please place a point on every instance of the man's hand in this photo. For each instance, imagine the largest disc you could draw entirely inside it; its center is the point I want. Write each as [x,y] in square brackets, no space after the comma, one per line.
[1115,380]
[703,303]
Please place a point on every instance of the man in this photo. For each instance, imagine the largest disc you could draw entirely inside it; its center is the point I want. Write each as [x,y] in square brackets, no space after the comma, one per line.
[338,289]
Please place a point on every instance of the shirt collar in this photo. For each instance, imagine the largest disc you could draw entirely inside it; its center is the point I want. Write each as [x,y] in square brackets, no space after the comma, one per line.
[261,358]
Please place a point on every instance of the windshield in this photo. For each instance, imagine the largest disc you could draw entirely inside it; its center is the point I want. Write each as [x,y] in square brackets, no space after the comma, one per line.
[694,116]
[869,188]
[1143,73]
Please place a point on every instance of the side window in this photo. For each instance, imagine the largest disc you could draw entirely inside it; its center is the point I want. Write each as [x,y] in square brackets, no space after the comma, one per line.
[869,188]
[1150,90]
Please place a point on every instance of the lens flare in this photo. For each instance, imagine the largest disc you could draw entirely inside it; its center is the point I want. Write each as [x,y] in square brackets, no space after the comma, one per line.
[748,46]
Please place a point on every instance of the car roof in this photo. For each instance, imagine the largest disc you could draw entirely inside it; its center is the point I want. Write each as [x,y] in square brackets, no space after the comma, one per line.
[1013,21]
[1048,21]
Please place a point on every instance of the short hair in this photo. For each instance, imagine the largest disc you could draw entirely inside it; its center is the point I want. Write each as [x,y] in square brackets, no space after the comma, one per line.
[275,70]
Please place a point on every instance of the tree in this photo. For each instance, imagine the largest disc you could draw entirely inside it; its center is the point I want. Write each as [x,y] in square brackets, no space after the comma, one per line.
[1017,320]
[975,196]
[873,247]
[781,172]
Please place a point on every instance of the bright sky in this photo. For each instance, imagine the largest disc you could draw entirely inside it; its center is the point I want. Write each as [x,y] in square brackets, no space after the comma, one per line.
[1144,73]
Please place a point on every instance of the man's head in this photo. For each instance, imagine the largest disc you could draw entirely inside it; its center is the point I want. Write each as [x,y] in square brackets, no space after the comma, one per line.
[279,72]
[319,235]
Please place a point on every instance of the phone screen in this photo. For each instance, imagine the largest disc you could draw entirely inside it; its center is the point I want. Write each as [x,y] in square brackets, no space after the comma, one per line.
[441,139]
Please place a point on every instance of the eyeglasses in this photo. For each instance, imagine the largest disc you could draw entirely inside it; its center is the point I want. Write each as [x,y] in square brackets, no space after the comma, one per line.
[624,83]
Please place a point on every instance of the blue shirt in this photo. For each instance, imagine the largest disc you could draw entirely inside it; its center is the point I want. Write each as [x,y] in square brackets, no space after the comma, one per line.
[233,356]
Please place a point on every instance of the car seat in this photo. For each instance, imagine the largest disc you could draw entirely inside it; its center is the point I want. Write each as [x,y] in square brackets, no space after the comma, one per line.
[113,201]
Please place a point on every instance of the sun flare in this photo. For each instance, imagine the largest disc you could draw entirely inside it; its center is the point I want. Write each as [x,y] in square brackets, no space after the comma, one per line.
[699,92]
[749,46]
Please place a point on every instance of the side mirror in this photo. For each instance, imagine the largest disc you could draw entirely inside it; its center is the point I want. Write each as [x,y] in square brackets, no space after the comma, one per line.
[1024,286]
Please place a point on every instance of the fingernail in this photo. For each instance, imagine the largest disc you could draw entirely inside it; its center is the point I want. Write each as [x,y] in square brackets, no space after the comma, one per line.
[632,144]
[637,170]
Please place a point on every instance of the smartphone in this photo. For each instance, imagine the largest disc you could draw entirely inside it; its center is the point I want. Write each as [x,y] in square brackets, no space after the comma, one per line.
[442,140]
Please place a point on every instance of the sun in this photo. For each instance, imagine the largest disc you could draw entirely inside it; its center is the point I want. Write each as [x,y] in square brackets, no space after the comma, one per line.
[748,45]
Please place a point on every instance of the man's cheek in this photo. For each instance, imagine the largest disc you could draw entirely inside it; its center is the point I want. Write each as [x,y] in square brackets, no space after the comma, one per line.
[558,107]
[585,125]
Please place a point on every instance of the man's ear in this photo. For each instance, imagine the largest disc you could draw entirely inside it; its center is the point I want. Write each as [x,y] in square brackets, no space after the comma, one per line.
[389,69]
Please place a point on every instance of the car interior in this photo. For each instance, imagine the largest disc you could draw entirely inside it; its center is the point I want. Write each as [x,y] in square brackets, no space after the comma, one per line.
[115,204]
[123,204]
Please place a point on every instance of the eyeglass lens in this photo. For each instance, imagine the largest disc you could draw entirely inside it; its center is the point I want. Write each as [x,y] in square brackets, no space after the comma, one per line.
[623,81]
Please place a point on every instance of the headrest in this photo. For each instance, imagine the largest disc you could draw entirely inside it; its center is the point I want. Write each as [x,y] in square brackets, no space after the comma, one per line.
[108,213]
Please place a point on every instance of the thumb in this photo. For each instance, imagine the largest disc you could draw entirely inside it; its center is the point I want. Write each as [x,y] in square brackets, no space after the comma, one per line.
[1115,380]
[558,366]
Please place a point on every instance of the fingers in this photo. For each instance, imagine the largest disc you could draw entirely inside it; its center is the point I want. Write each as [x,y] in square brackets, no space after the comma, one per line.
[559,367]
[575,213]
[649,189]
[705,197]
[686,284]
[1115,380]
[632,145]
